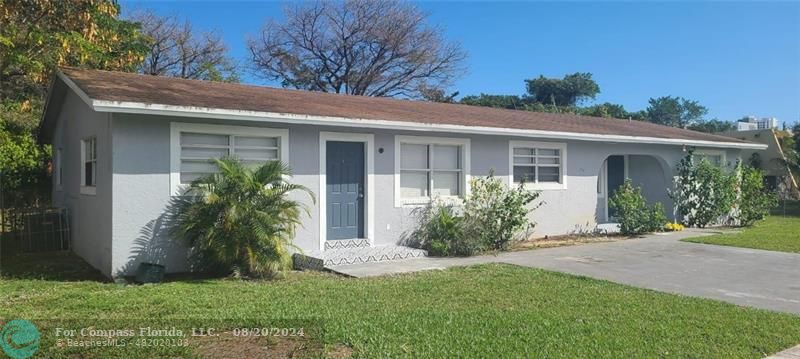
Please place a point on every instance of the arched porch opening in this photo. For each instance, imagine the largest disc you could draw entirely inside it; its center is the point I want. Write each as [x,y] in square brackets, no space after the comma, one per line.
[651,173]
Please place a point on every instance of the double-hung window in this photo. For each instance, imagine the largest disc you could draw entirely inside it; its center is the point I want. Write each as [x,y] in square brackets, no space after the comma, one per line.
[89,165]
[195,146]
[431,168]
[540,165]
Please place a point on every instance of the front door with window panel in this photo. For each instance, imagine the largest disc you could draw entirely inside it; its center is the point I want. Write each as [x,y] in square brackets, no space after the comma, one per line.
[344,176]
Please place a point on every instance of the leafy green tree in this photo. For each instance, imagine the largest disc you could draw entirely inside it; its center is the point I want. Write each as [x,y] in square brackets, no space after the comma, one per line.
[754,202]
[241,220]
[568,91]
[37,35]
[675,111]
[511,102]
[713,126]
[23,162]
[610,110]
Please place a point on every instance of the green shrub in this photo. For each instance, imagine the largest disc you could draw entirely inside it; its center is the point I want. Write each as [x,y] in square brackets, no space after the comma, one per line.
[633,213]
[440,233]
[754,201]
[495,213]
[703,193]
[240,220]
[23,162]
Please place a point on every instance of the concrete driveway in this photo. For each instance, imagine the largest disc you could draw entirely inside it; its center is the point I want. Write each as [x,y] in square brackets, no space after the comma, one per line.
[756,278]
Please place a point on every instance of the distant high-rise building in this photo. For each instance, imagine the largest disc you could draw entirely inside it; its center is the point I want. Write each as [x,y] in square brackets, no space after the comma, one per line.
[751,123]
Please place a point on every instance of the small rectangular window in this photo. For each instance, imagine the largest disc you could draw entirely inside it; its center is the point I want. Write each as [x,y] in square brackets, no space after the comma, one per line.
[538,164]
[89,165]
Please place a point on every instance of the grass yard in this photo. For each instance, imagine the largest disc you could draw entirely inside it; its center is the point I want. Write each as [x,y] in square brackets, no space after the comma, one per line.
[481,311]
[778,232]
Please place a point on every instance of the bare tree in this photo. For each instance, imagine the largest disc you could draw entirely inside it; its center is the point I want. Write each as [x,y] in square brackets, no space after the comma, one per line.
[177,50]
[359,47]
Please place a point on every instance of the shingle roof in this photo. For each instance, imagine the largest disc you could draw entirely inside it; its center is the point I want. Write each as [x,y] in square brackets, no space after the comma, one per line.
[129,87]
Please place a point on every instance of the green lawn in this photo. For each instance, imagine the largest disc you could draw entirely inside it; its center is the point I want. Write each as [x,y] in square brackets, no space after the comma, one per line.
[779,232]
[481,311]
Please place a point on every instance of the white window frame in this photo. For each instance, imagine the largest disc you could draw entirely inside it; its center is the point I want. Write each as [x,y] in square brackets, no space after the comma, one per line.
[699,153]
[176,189]
[562,185]
[58,173]
[464,145]
[88,190]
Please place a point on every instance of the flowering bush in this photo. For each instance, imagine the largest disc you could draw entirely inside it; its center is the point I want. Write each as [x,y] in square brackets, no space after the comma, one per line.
[704,193]
[673,227]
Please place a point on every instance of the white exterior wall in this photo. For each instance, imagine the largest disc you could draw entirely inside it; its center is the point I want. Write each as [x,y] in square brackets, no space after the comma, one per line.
[136,220]
[90,215]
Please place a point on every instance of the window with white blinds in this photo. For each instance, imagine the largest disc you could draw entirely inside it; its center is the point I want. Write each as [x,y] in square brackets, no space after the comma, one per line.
[196,150]
[427,169]
[430,167]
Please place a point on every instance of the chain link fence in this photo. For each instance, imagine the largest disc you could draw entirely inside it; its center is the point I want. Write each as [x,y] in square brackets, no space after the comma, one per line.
[35,229]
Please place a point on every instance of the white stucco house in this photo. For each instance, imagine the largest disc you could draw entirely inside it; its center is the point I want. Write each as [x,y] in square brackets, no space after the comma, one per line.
[124,144]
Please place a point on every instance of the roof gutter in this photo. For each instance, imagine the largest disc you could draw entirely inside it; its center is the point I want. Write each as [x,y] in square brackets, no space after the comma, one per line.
[258,116]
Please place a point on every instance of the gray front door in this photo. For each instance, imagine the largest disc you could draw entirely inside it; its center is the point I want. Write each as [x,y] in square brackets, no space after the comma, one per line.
[345,190]
[616,177]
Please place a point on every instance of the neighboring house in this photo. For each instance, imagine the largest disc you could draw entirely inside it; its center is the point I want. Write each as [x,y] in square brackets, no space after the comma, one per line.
[777,174]
[125,144]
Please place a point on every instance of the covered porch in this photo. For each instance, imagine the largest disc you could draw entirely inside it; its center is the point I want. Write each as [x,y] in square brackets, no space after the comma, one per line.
[649,172]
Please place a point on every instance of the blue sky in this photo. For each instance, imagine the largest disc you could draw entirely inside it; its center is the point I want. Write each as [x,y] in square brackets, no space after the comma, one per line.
[738,58]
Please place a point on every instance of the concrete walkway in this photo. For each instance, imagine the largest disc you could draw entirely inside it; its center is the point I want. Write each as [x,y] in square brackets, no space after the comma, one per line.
[756,278]
[791,353]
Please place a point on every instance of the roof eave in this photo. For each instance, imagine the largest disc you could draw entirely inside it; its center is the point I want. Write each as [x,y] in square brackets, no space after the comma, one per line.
[214,113]
[259,116]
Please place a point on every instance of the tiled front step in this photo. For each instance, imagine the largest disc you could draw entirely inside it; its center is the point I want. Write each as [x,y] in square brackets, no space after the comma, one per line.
[335,257]
[346,243]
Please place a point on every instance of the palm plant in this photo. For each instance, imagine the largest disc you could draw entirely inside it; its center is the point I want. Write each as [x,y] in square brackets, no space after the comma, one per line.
[241,220]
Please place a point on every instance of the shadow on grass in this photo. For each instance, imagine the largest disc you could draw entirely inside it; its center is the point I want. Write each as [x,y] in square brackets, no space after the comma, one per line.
[56,266]
[64,266]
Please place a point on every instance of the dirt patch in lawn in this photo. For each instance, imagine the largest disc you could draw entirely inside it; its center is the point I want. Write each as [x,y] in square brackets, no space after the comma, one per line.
[565,240]
[228,346]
